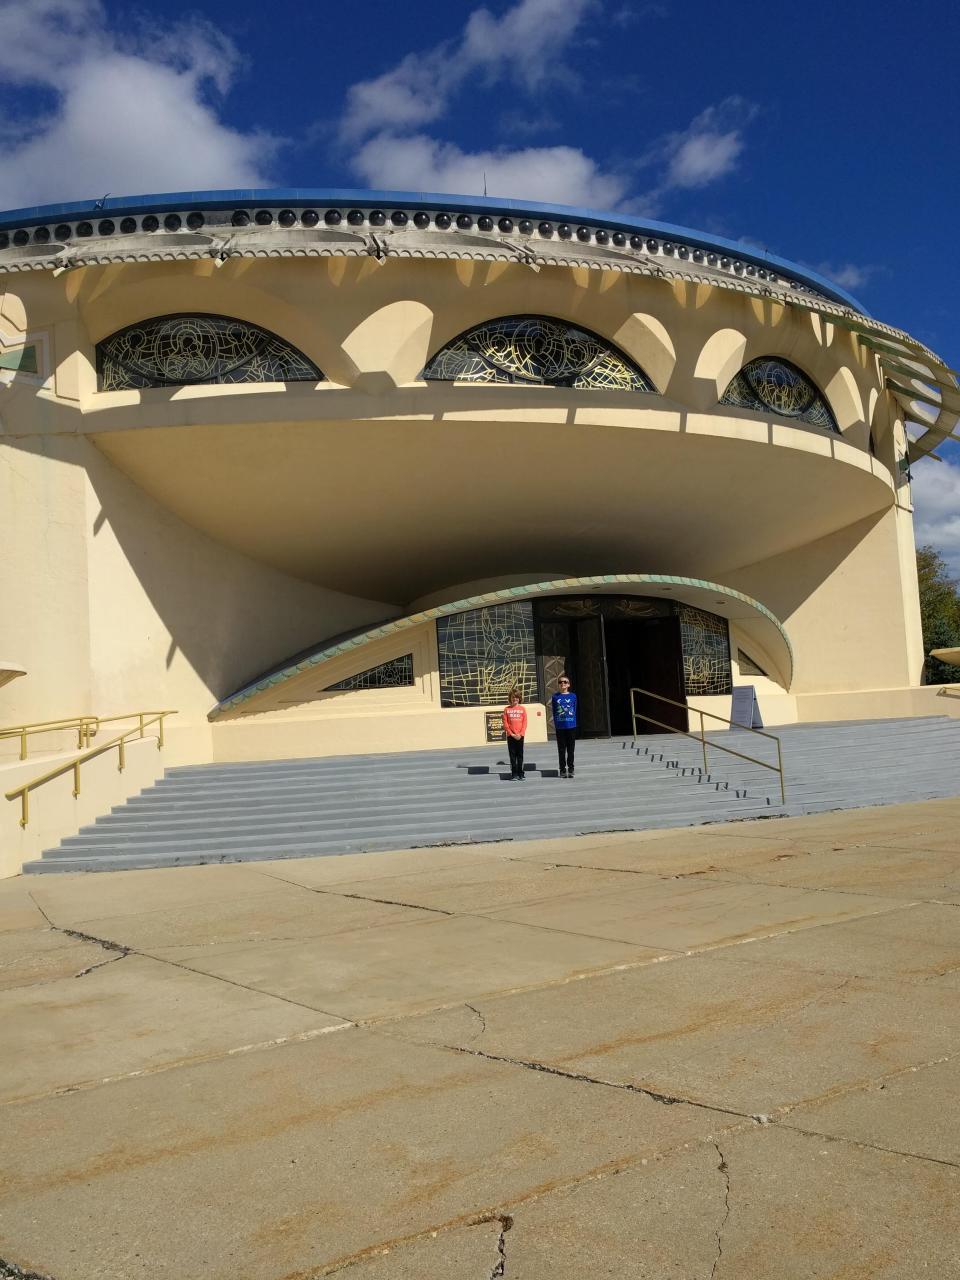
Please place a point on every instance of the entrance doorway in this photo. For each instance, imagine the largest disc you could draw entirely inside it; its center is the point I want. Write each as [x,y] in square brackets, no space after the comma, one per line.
[609,645]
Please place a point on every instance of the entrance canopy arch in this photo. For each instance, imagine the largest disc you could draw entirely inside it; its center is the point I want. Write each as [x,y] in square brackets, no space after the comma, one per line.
[302,678]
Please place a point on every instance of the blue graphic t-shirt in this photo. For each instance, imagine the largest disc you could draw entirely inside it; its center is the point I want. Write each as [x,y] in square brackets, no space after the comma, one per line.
[564,710]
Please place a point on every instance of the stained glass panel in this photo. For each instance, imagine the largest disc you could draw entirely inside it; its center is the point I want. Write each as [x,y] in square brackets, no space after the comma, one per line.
[705,640]
[188,350]
[747,665]
[395,674]
[772,385]
[484,653]
[537,351]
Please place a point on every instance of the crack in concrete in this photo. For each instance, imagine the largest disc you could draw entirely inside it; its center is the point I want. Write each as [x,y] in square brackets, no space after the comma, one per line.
[483,1021]
[90,967]
[723,1168]
[10,1271]
[665,1099]
[506,1222]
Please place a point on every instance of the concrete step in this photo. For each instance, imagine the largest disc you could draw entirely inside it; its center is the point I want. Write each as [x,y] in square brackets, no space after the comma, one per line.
[330,805]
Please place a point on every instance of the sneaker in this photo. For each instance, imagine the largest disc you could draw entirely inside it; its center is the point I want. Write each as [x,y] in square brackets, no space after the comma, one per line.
[563,773]
[521,777]
[570,774]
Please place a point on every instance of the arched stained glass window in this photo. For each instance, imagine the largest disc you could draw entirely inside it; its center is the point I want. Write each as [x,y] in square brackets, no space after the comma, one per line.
[182,350]
[772,385]
[538,351]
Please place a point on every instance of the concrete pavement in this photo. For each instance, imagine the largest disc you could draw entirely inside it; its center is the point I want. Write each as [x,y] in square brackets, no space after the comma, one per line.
[722,1052]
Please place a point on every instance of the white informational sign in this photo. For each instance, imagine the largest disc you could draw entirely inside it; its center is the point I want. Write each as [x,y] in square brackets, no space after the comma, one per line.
[745,710]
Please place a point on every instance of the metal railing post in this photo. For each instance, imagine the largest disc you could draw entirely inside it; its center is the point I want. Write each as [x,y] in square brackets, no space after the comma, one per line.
[23,743]
[76,778]
[123,755]
[783,789]
[703,742]
[24,808]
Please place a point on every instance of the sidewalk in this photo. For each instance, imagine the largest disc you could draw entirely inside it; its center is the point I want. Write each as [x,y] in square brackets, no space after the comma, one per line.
[727,1051]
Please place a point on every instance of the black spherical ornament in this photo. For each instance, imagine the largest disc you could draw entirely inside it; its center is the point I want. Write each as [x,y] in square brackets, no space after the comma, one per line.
[171,222]
[41,235]
[464,221]
[653,246]
[525,226]
[712,259]
[309,217]
[738,267]
[355,218]
[150,223]
[4,240]
[240,218]
[619,239]
[564,231]
[377,217]
[698,255]
[195,220]
[668,248]
[106,227]
[128,226]
[546,229]
[505,225]
[725,263]
[286,217]
[583,233]
[21,237]
[484,223]
[761,273]
[603,237]
[443,221]
[751,269]
[683,252]
[333,217]
[421,219]
[83,229]
[263,217]
[399,218]
[63,232]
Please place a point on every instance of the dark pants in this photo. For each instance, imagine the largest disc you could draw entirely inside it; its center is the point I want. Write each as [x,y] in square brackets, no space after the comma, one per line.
[566,742]
[515,747]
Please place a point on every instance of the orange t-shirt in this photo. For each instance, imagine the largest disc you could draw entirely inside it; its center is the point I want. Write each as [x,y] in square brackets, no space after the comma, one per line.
[515,720]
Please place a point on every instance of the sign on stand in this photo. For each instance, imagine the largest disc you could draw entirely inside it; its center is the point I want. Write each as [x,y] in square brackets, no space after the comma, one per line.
[495,730]
[745,710]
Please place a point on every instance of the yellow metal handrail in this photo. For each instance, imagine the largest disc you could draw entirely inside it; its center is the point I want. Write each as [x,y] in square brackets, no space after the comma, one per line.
[702,737]
[145,720]
[85,726]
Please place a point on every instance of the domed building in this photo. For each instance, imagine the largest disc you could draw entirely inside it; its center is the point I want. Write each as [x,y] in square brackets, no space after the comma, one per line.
[331,471]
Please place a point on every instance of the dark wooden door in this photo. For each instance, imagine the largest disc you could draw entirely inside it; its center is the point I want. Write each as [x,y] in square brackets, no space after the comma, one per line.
[644,654]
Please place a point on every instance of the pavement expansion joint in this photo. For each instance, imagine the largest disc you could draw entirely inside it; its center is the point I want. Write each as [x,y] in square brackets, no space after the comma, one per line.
[665,1099]
[724,1169]
[870,1146]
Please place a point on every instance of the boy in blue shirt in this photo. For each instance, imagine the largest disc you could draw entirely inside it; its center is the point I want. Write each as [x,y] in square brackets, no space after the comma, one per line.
[564,707]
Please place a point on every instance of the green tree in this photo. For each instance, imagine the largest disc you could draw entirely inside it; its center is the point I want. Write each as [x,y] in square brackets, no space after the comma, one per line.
[939,613]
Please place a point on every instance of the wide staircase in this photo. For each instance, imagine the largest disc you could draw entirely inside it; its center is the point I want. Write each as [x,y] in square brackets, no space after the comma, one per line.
[345,804]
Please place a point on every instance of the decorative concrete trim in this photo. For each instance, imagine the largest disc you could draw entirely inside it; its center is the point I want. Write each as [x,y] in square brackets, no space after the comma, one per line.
[506,594]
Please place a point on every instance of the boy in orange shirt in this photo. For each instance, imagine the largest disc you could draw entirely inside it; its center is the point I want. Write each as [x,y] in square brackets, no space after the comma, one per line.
[515,724]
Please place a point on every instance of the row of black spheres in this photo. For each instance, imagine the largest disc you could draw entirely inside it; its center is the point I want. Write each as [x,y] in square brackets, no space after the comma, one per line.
[378,218]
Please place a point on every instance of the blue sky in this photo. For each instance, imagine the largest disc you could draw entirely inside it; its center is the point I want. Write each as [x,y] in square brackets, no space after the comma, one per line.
[827,133]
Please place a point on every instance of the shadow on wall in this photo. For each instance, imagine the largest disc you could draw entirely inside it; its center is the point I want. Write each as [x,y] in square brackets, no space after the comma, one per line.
[159,589]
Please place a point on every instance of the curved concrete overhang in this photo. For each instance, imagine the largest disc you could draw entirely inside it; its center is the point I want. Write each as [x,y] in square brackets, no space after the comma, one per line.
[305,676]
[467,477]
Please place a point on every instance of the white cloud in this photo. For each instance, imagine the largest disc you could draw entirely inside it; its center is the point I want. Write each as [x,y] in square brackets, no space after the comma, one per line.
[561,175]
[524,46]
[132,115]
[385,120]
[936,496]
[847,275]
